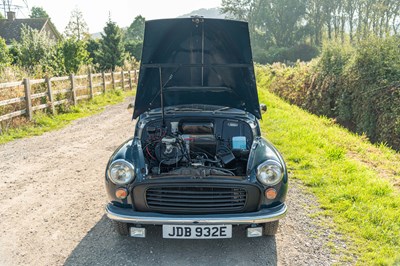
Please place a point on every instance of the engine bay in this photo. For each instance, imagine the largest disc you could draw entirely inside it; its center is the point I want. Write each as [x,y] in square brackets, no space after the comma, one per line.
[197,147]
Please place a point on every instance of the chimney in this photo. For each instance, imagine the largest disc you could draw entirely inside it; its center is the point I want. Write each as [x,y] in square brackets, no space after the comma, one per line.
[11,15]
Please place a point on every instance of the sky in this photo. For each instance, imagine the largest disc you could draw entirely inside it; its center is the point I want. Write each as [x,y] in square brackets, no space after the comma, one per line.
[123,12]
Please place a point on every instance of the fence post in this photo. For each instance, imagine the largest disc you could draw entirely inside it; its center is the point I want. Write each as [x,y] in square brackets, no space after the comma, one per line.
[113,80]
[103,76]
[91,85]
[122,80]
[28,100]
[72,78]
[130,80]
[50,93]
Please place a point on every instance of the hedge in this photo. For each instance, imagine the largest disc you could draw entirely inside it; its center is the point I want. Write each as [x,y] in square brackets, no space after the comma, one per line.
[357,86]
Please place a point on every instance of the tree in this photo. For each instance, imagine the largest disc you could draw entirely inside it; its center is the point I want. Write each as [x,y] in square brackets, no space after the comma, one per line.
[93,47]
[136,30]
[278,20]
[134,48]
[38,12]
[283,19]
[36,49]
[75,54]
[112,52]
[315,20]
[77,26]
[238,9]
[278,28]
[5,56]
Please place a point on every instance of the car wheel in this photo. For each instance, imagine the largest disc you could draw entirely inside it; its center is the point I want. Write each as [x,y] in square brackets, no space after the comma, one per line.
[122,228]
[271,228]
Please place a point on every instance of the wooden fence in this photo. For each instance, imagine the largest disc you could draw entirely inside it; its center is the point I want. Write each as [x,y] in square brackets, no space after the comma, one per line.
[73,91]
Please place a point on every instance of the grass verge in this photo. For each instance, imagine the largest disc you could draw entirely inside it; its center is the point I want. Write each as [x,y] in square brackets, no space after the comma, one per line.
[43,123]
[350,183]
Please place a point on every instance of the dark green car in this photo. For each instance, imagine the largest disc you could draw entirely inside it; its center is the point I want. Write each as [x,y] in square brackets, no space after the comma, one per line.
[197,164]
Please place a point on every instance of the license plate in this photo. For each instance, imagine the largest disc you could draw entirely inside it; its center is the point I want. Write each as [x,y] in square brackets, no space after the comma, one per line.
[197,231]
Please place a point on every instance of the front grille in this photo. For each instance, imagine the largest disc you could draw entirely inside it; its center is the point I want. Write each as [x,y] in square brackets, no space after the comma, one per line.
[196,199]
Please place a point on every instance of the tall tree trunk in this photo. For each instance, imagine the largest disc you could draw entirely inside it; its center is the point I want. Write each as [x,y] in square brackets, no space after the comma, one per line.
[360,22]
[329,24]
[336,26]
[342,24]
[366,22]
[351,28]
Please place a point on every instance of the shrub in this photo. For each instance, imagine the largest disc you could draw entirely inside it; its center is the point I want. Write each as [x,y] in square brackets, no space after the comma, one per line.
[359,87]
[75,54]
[36,50]
[134,48]
[5,56]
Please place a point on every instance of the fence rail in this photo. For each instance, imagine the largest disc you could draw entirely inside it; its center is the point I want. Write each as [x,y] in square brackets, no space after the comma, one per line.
[96,84]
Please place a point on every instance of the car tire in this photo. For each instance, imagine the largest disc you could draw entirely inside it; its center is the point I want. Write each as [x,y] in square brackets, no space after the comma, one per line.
[122,228]
[271,228]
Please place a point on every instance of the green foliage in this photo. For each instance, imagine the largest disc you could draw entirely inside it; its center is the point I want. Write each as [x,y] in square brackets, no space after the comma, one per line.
[55,63]
[93,47]
[133,39]
[112,51]
[33,48]
[75,54]
[36,49]
[136,30]
[134,48]
[277,21]
[77,27]
[334,58]
[5,56]
[39,54]
[1,16]
[38,12]
[283,18]
[359,87]
[374,75]
[352,179]
[239,9]
[278,25]
[302,52]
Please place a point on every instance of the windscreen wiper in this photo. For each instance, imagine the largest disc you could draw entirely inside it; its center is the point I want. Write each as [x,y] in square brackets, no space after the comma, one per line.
[222,109]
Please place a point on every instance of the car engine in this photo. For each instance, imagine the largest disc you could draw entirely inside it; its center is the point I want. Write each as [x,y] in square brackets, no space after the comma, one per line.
[194,148]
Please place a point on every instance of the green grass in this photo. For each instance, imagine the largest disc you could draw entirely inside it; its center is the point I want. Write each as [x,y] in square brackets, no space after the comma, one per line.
[353,180]
[43,123]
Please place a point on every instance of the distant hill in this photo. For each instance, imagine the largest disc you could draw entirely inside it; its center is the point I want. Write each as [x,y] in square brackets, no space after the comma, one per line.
[205,12]
[96,35]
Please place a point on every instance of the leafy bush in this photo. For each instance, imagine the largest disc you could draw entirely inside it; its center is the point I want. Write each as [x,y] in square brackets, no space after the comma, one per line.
[359,87]
[92,47]
[134,48]
[5,56]
[37,52]
[75,54]
[374,76]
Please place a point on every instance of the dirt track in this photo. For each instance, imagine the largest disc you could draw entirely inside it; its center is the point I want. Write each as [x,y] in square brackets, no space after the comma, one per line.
[52,198]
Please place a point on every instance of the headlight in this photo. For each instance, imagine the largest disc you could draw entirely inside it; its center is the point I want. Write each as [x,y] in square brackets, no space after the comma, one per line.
[121,172]
[270,173]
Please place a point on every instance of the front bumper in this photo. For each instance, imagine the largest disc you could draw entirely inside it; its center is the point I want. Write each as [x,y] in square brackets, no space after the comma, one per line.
[134,217]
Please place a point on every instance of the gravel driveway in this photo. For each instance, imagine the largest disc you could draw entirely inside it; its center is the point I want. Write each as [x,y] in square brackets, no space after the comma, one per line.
[52,198]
